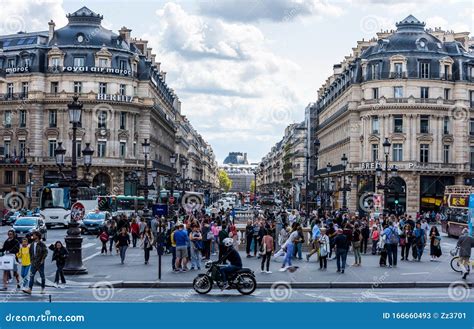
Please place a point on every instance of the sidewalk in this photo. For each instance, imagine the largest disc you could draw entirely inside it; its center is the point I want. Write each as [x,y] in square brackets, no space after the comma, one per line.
[107,268]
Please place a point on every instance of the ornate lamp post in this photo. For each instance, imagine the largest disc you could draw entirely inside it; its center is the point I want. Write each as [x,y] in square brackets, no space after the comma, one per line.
[344,191]
[30,184]
[328,196]
[87,153]
[73,239]
[173,162]
[146,152]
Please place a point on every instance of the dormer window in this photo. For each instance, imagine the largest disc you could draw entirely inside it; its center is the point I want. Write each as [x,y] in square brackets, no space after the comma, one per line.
[103,62]
[79,61]
[55,61]
[80,38]
[27,61]
[424,70]
[422,43]
[11,63]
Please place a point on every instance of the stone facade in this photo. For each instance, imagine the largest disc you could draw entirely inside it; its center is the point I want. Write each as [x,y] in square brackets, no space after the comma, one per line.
[126,100]
[414,87]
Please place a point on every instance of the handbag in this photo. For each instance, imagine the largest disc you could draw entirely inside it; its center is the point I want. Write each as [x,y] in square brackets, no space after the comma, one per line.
[210,236]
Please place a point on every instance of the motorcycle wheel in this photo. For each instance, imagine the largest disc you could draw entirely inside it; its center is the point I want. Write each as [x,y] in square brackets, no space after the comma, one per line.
[246,284]
[455,265]
[202,284]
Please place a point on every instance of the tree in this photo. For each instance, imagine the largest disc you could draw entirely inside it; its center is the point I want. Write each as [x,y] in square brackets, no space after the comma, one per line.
[225,182]
[252,186]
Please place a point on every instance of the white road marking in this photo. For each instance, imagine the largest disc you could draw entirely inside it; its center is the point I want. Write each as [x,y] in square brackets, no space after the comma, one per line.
[88,245]
[91,256]
[415,273]
[324,298]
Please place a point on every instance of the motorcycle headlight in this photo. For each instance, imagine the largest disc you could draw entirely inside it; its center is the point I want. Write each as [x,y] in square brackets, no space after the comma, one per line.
[208,264]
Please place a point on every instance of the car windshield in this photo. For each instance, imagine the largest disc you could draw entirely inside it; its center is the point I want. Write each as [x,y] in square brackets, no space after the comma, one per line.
[95,216]
[26,222]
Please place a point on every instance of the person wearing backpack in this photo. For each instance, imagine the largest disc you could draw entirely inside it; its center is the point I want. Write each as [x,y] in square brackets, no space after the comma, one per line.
[104,238]
[392,239]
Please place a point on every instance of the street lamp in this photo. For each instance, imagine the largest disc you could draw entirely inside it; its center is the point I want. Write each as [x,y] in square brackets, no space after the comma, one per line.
[87,153]
[73,239]
[30,184]
[146,152]
[328,197]
[344,191]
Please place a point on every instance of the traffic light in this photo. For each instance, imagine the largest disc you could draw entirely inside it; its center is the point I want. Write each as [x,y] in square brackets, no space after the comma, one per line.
[397,199]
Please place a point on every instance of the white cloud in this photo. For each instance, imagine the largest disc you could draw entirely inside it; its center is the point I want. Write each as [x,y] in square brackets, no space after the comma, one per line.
[30,15]
[438,21]
[273,10]
[227,79]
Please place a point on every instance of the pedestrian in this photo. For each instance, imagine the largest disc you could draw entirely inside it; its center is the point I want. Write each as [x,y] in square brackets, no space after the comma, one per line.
[248,237]
[60,255]
[315,235]
[419,242]
[331,232]
[147,242]
[464,244]
[207,237]
[256,237]
[181,239]
[340,243]
[104,238]
[404,242]
[299,243]
[173,247]
[23,256]
[38,253]
[375,239]
[223,234]
[283,235]
[215,242]
[123,241]
[356,244]
[141,226]
[267,249]
[11,246]
[324,247]
[195,238]
[365,231]
[134,230]
[435,244]
[391,244]
[112,232]
[289,246]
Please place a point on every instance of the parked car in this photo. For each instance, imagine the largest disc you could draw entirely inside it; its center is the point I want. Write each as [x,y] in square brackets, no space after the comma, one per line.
[94,221]
[11,217]
[25,226]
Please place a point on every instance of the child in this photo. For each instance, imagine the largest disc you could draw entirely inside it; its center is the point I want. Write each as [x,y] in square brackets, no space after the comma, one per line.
[59,255]
[24,256]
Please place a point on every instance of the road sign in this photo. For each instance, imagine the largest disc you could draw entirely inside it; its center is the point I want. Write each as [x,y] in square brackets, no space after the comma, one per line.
[77,211]
[160,210]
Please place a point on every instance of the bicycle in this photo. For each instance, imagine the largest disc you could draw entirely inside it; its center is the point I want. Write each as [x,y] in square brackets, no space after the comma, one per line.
[455,264]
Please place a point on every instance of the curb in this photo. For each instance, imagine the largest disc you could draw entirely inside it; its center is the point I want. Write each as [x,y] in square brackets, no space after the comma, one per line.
[296,285]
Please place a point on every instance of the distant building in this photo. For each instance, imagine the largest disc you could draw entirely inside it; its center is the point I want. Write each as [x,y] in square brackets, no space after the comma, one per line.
[237,158]
[241,176]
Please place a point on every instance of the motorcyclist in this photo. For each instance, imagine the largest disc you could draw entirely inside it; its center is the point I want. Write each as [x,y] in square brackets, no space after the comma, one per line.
[231,255]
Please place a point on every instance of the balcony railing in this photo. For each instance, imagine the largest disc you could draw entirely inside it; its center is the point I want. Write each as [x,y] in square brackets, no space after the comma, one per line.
[398,75]
[13,96]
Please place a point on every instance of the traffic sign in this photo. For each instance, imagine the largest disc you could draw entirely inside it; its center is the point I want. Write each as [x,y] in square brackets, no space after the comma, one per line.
[77,211]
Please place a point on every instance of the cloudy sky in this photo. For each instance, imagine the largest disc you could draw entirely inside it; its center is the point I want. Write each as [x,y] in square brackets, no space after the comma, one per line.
[245,69]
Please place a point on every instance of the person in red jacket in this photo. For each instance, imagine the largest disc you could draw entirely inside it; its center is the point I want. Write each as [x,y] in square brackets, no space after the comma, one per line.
[375,239]
[134,230]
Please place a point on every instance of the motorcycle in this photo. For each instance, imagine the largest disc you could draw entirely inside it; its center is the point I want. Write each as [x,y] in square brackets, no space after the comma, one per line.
[243,280]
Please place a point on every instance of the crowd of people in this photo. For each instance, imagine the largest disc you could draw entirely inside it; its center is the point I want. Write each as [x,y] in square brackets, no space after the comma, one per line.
[191,239]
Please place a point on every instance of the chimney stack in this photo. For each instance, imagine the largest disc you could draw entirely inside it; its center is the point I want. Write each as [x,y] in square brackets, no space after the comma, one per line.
[125,34]
[51,30]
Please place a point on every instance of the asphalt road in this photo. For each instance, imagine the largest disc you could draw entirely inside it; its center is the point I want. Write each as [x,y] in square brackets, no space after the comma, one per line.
[78,294]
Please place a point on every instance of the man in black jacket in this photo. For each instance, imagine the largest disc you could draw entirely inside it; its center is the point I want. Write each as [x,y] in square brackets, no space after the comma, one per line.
[231,255]
[38,253]
[11,246]
[340,242]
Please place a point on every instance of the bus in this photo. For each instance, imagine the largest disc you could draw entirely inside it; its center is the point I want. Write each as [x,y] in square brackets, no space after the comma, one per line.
[55,203]
[455,209]
[122,204]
